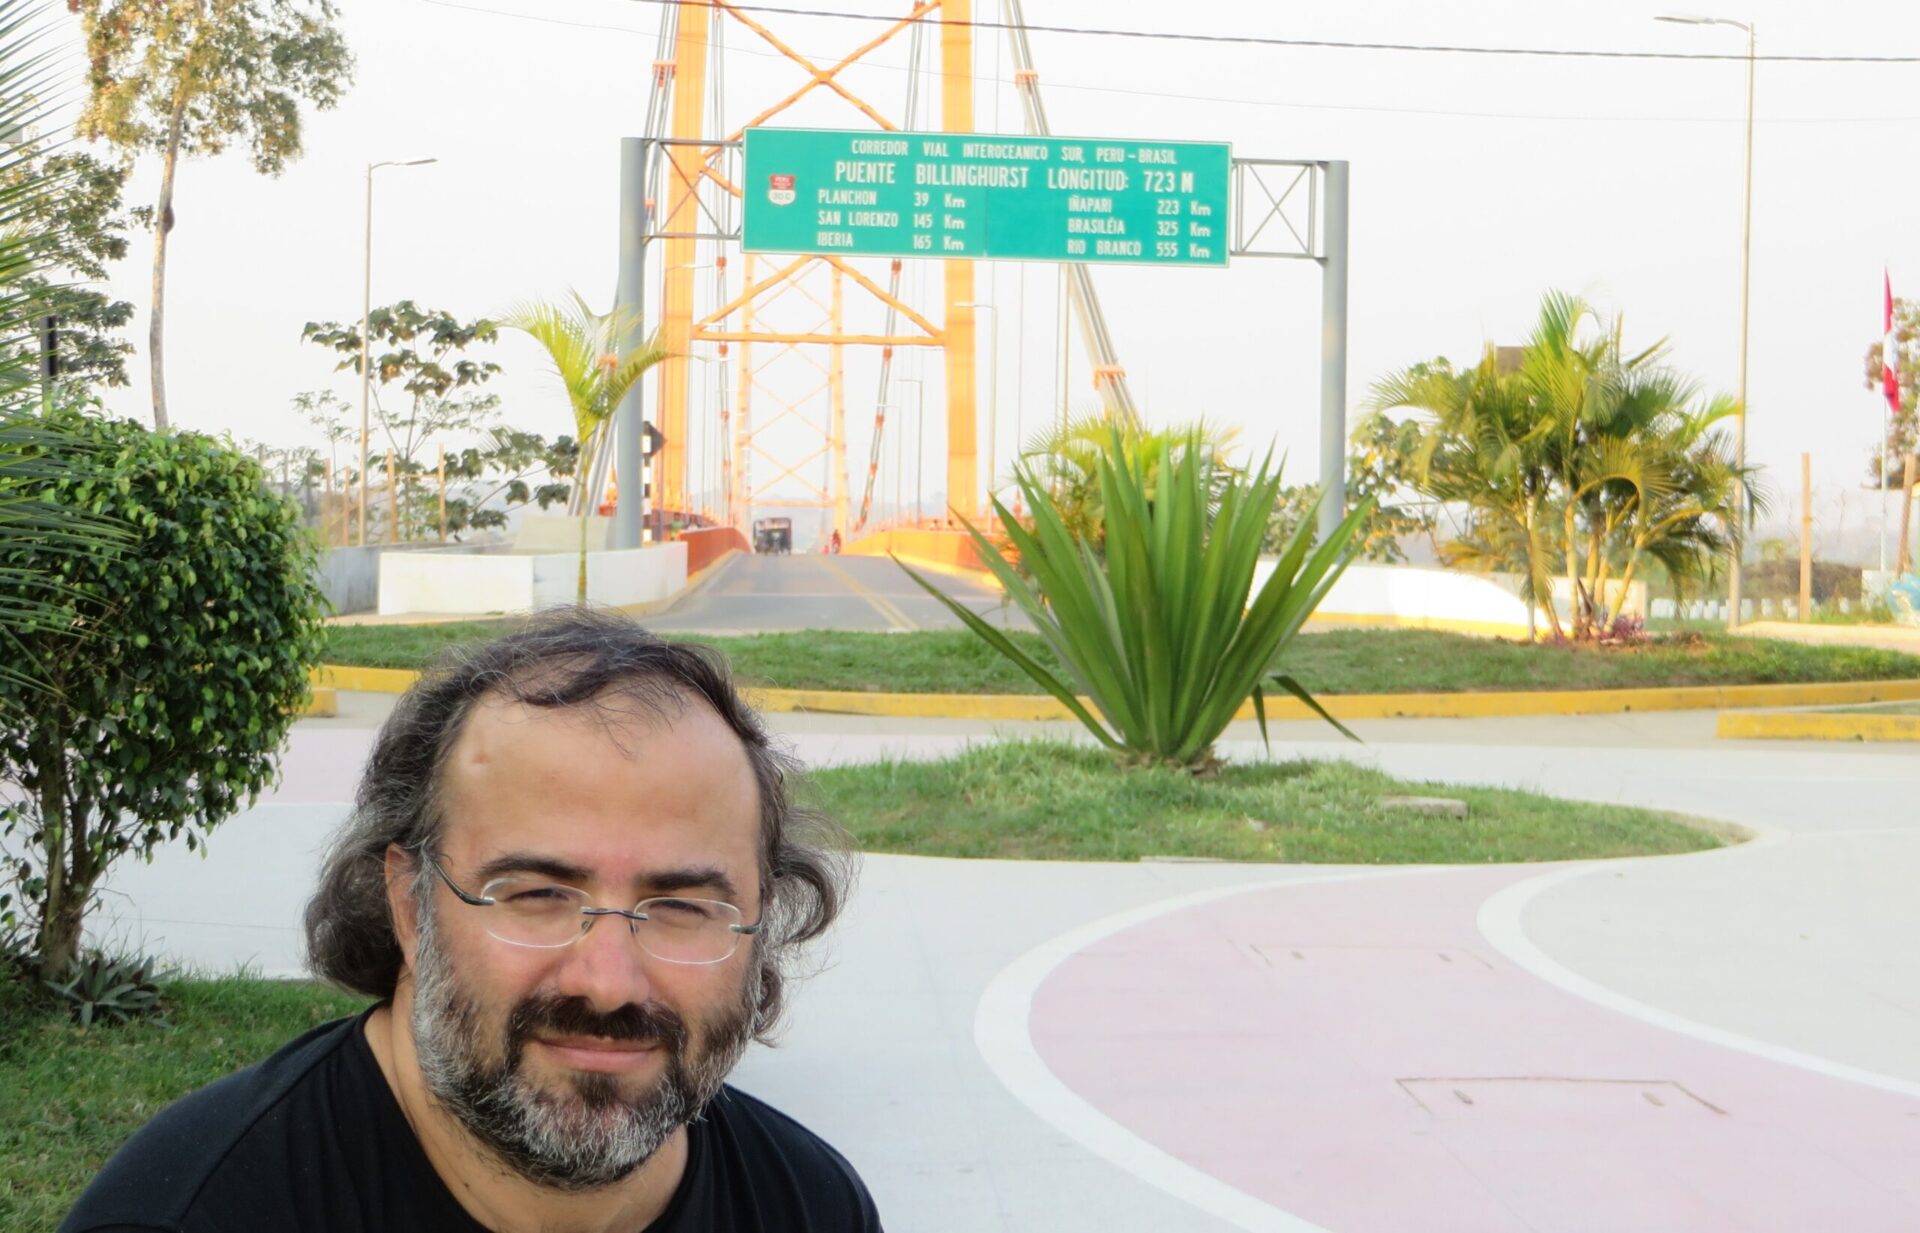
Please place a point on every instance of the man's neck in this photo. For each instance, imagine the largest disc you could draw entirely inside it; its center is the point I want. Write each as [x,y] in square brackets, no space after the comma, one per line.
[492,1193]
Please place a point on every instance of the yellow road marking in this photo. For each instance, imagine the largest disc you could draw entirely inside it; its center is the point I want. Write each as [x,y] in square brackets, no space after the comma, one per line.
[895,617]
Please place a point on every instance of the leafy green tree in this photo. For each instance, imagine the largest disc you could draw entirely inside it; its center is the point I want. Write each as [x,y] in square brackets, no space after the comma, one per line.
[194,77]
[1903,430]
[425,390]
[1163,631]
[1381,465]
[80,226]
[513,467]
[596,365]
[177,666]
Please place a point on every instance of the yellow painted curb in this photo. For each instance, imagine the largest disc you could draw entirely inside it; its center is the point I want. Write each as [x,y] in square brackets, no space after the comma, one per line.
[1366,706]
[365,680]
[1810,726]
[1341,706]
[322,703]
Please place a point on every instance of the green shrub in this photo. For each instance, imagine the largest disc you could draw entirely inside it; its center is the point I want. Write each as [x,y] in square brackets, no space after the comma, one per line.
[175,664]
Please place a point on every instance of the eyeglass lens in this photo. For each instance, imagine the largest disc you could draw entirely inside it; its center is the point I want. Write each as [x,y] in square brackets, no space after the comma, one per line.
[548,914]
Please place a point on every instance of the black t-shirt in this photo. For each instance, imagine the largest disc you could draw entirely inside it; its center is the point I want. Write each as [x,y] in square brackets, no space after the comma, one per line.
[312,1140]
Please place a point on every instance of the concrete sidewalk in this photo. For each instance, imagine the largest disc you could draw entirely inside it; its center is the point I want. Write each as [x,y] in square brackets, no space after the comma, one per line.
[970,1049]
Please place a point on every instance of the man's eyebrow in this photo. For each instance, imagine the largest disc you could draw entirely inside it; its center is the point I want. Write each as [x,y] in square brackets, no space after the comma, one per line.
[532,862]
[657,882]
[692,877]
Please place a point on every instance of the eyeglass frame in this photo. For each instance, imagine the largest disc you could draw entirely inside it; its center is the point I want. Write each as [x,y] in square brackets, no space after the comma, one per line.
[592,912]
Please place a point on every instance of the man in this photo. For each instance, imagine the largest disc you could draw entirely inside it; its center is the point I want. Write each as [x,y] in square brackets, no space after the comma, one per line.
[574,880]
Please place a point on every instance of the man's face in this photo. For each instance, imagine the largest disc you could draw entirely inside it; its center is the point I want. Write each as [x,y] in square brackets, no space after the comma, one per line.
[575,1064]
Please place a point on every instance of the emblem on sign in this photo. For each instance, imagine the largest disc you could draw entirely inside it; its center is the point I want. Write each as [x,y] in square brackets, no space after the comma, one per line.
[780,190]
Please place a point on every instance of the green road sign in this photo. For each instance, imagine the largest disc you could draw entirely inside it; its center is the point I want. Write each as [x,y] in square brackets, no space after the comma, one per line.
[879,194]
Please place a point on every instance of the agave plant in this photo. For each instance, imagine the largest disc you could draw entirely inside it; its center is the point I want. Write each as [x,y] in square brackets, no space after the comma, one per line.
[1157,631]
[99,988]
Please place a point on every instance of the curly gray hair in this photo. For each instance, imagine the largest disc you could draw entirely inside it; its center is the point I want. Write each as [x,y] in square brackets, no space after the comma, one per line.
[566,658]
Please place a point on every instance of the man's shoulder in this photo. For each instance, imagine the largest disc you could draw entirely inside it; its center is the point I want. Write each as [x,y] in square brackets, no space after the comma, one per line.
[758,1145]
[154,1179]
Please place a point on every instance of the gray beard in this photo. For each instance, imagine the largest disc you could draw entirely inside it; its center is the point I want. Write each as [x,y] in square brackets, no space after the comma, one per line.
[585,1135]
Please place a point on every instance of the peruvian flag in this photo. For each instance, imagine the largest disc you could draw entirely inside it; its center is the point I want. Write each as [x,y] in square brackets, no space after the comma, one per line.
[1889,355]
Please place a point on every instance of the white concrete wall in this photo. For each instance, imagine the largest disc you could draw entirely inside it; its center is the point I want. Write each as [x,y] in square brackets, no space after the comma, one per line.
[637,575]
[523,582]
[425,582]
[561,533]
[556,580]
[1404,596]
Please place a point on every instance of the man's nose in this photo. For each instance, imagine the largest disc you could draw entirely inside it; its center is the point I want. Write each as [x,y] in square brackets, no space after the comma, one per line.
[607,966]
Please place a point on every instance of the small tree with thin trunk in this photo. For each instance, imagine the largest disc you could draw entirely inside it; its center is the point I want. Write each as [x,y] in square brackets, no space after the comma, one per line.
[195,76]
[597,362]
[173,667]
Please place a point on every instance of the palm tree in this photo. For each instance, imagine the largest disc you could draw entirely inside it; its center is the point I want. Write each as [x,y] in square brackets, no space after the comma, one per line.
[1068,457]
[30,450]
[1641,469]
[1580,456]
[596,366]
[1484,447]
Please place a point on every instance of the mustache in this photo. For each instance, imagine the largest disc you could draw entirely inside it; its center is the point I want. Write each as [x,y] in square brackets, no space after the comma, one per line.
[649,1023]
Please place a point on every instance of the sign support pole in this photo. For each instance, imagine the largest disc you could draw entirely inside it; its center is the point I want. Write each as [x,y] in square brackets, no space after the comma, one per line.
[1333,354]
[963,440]
[629,511]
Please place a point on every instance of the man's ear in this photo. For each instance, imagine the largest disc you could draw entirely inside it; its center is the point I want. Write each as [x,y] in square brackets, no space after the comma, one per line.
[401,868]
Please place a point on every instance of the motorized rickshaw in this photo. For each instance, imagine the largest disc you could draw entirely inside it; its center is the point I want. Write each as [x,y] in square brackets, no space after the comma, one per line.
[773,535]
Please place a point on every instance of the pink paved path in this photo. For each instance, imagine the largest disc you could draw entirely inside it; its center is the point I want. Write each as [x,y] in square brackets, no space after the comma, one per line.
[1357,1055]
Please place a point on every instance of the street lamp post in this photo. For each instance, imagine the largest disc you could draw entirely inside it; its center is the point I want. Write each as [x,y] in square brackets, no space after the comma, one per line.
[919,442]
[1746,254]
[366,310]
[993,401]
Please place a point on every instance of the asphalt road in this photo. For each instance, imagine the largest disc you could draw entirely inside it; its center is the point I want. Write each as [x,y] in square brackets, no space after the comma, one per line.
[749,594]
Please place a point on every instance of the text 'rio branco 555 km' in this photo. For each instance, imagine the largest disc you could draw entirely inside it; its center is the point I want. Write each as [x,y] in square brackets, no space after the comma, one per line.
[962,195]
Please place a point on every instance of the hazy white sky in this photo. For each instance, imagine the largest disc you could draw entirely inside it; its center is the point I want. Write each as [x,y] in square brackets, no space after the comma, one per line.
[1478,182]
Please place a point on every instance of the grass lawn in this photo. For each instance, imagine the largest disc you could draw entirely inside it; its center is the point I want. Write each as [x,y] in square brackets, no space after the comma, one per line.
[70,1096]
[1043,800]
[1347,661]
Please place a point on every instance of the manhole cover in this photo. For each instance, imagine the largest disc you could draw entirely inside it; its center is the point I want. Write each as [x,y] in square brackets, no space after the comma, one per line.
[1527,1098]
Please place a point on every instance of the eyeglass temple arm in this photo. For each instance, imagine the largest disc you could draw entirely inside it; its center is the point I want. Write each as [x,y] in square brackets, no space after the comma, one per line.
[478,901]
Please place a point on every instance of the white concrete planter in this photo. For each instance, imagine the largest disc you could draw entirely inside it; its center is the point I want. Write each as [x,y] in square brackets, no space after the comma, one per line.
[528,582]
[1409,597]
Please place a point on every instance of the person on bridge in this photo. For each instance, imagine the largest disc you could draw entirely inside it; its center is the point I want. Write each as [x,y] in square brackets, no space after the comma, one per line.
[833,545]
[574,883]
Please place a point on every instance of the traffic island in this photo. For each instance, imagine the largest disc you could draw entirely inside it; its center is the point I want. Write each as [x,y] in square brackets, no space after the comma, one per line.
[1051,800]
[1894,723]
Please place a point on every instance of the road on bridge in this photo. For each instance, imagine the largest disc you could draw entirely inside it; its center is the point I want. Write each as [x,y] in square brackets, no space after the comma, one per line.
[768,594]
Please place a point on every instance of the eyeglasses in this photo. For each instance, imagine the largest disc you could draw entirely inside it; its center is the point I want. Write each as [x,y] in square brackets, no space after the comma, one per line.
[546,915]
